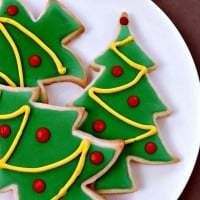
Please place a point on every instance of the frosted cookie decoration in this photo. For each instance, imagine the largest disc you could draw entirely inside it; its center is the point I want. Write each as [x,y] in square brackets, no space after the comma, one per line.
[33,52]
[43,155]
[122,104]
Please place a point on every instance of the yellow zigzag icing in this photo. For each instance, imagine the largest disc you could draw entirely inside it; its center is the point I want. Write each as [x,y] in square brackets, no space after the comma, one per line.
[151,130]
[80,151]
[61,69]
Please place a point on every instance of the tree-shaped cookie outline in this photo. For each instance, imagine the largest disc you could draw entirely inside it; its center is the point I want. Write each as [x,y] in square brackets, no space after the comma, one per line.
[63,64]
[83,150]
[97,99]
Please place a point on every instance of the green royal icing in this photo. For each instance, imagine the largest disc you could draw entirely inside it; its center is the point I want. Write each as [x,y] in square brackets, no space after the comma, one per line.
[52,27]
[150,103]
[31,153]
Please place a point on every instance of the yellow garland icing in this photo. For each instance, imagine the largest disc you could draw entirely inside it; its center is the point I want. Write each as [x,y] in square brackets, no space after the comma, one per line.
[25,110]
[7,79]
[80,151]
[83,149]
[61,69]
[142,71]
[16,52]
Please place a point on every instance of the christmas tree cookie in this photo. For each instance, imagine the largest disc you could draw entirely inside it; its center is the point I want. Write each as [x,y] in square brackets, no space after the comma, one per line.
[32,52]
[122,104]
[42,154]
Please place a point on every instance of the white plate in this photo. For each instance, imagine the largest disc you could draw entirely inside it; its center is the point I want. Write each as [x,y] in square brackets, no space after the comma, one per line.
[175,78]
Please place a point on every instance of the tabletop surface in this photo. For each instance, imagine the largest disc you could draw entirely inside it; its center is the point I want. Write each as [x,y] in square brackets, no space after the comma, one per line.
[185,15]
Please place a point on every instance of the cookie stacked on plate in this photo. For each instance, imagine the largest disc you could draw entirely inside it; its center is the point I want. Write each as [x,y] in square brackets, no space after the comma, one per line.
[84,150]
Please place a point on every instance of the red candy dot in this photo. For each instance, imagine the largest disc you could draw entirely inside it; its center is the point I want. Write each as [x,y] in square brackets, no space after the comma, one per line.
[34,60]
[96,157]
[117,71]
[124,21]
[150,147]
[42,135]
[39,185]
[99,126]
[12,10]
[133,101]
[5,131]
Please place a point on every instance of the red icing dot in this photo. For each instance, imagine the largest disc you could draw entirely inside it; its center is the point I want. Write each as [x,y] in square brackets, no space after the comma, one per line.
[117,71]
[42,135]
[99,126]
[133,101]
[39,185]
[124,21]
[96,157]
[150,147]
[5,131]
[35,60]
[12,10]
